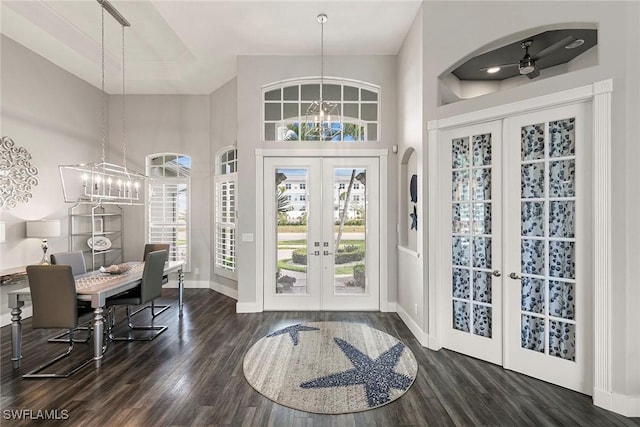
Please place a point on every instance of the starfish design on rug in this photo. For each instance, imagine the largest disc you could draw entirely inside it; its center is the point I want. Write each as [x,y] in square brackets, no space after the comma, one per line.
[293,332]
[377,374]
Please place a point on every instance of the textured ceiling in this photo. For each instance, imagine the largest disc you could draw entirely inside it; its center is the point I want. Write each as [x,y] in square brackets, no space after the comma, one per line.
[190,47]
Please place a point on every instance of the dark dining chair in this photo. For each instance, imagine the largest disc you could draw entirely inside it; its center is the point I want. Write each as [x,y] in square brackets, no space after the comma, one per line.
[78,266]
[54,299]
[148,248]
[74,259]
[149,289]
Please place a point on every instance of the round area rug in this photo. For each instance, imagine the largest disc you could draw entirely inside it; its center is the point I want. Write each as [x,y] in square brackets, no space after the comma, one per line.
[330,367]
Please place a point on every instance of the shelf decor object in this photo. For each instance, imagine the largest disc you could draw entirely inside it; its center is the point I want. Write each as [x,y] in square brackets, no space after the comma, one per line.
[318,115]
[43,229]
[103,182]
[17,174]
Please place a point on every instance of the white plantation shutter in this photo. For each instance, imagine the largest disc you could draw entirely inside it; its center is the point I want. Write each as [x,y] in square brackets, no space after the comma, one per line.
[168,207]
[225,213]
[168,217]
[225,223]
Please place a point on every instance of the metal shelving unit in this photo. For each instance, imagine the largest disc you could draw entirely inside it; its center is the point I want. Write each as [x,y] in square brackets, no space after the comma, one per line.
[101,225]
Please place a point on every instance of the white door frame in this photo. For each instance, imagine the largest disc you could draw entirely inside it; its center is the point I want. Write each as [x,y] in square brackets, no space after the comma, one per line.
[600,94]
[381,154]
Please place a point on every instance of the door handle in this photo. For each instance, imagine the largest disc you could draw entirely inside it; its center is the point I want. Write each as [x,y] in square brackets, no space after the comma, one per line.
[316,253]
[328,253]
[515,276]
[496,273]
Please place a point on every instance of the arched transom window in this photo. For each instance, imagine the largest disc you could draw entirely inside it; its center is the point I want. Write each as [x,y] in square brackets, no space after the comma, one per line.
[355,118]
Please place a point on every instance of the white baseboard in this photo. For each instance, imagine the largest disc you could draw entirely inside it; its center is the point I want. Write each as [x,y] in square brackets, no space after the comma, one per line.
[622,404]
[390,308]
[247,307]
[415,329]
[5,319]
[224,290]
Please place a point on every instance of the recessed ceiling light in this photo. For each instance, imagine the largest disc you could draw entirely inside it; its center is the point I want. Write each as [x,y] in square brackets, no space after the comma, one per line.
[493,70]
[575,44]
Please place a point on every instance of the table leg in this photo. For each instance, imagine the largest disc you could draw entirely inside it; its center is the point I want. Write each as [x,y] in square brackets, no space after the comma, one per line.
[180,291]
[16,337]
[98,330]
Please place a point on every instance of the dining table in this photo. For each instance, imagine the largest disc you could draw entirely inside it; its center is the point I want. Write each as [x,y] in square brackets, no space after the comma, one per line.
[95,287]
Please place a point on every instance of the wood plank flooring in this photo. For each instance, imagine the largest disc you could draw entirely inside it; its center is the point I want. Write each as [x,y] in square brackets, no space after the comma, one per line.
[192,375]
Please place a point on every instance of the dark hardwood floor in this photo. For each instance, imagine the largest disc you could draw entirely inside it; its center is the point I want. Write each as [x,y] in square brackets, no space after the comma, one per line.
[192,375]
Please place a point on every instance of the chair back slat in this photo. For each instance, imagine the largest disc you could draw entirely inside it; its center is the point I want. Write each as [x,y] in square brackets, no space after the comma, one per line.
[53,295]
[74,259]
[151,286]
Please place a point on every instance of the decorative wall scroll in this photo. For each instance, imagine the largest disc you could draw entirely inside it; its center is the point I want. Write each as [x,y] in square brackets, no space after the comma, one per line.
[413,192]
[17,174]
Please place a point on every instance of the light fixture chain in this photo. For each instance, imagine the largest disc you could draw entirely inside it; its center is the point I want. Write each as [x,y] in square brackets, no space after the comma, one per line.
[124,141]
[321,57]
[102,99]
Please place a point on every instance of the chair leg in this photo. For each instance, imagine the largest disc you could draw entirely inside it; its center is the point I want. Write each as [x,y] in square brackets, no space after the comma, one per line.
[86,326]
[35,374]
[153,308]
[158,329]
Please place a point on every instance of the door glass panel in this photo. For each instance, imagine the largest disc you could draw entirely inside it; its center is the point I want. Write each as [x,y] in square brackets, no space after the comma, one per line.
[349,219]
[471,252]
[291,235]
[548,244]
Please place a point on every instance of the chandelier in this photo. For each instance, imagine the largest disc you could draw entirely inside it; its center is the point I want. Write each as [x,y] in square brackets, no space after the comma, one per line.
[318,122]
[103,182]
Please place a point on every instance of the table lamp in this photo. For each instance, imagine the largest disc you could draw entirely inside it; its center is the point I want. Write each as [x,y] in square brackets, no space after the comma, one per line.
[42,229]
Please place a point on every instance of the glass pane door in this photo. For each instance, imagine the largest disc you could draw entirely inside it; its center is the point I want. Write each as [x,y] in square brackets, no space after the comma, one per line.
[473,296]
[351,234]
[291,230]
[549,282]
[321,234]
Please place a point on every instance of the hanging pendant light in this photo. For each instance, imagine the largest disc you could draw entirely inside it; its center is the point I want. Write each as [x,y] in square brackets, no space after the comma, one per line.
[104,182]
[319,123]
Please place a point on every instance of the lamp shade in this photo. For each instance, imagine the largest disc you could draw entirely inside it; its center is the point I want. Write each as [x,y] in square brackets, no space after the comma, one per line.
[43,228]
[3,236]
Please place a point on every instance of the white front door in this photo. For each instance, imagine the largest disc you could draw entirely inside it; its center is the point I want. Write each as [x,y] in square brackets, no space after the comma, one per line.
[322,234]
[516,204]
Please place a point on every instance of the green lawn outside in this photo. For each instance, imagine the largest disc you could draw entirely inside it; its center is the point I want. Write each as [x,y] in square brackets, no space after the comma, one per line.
[303,228]
[285,264]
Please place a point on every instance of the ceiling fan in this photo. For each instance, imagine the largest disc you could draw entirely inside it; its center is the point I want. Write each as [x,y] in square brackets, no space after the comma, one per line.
[527,65]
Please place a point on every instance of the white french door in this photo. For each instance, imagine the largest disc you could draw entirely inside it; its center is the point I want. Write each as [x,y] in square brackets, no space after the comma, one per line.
[547,255]
[518,257]
[322,233]
[472,249]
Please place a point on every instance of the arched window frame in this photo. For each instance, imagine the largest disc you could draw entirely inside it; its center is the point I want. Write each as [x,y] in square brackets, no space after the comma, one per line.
[168,207]
[358,108]
[226,184]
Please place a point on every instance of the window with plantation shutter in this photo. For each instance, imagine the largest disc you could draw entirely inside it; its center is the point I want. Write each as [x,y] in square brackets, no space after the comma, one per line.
[167,218]
[225,212]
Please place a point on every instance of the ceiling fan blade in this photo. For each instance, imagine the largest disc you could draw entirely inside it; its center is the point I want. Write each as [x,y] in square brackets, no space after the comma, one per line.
[550,49]
[515,64]
[535,73]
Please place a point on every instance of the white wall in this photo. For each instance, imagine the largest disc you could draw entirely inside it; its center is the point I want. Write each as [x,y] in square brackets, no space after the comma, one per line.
[618,59]
[56,117]
[257,71]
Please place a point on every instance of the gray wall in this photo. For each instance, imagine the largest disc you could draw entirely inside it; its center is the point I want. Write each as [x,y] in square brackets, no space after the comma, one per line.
[223,133]
[173,124]
[257,71]
[56,117]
